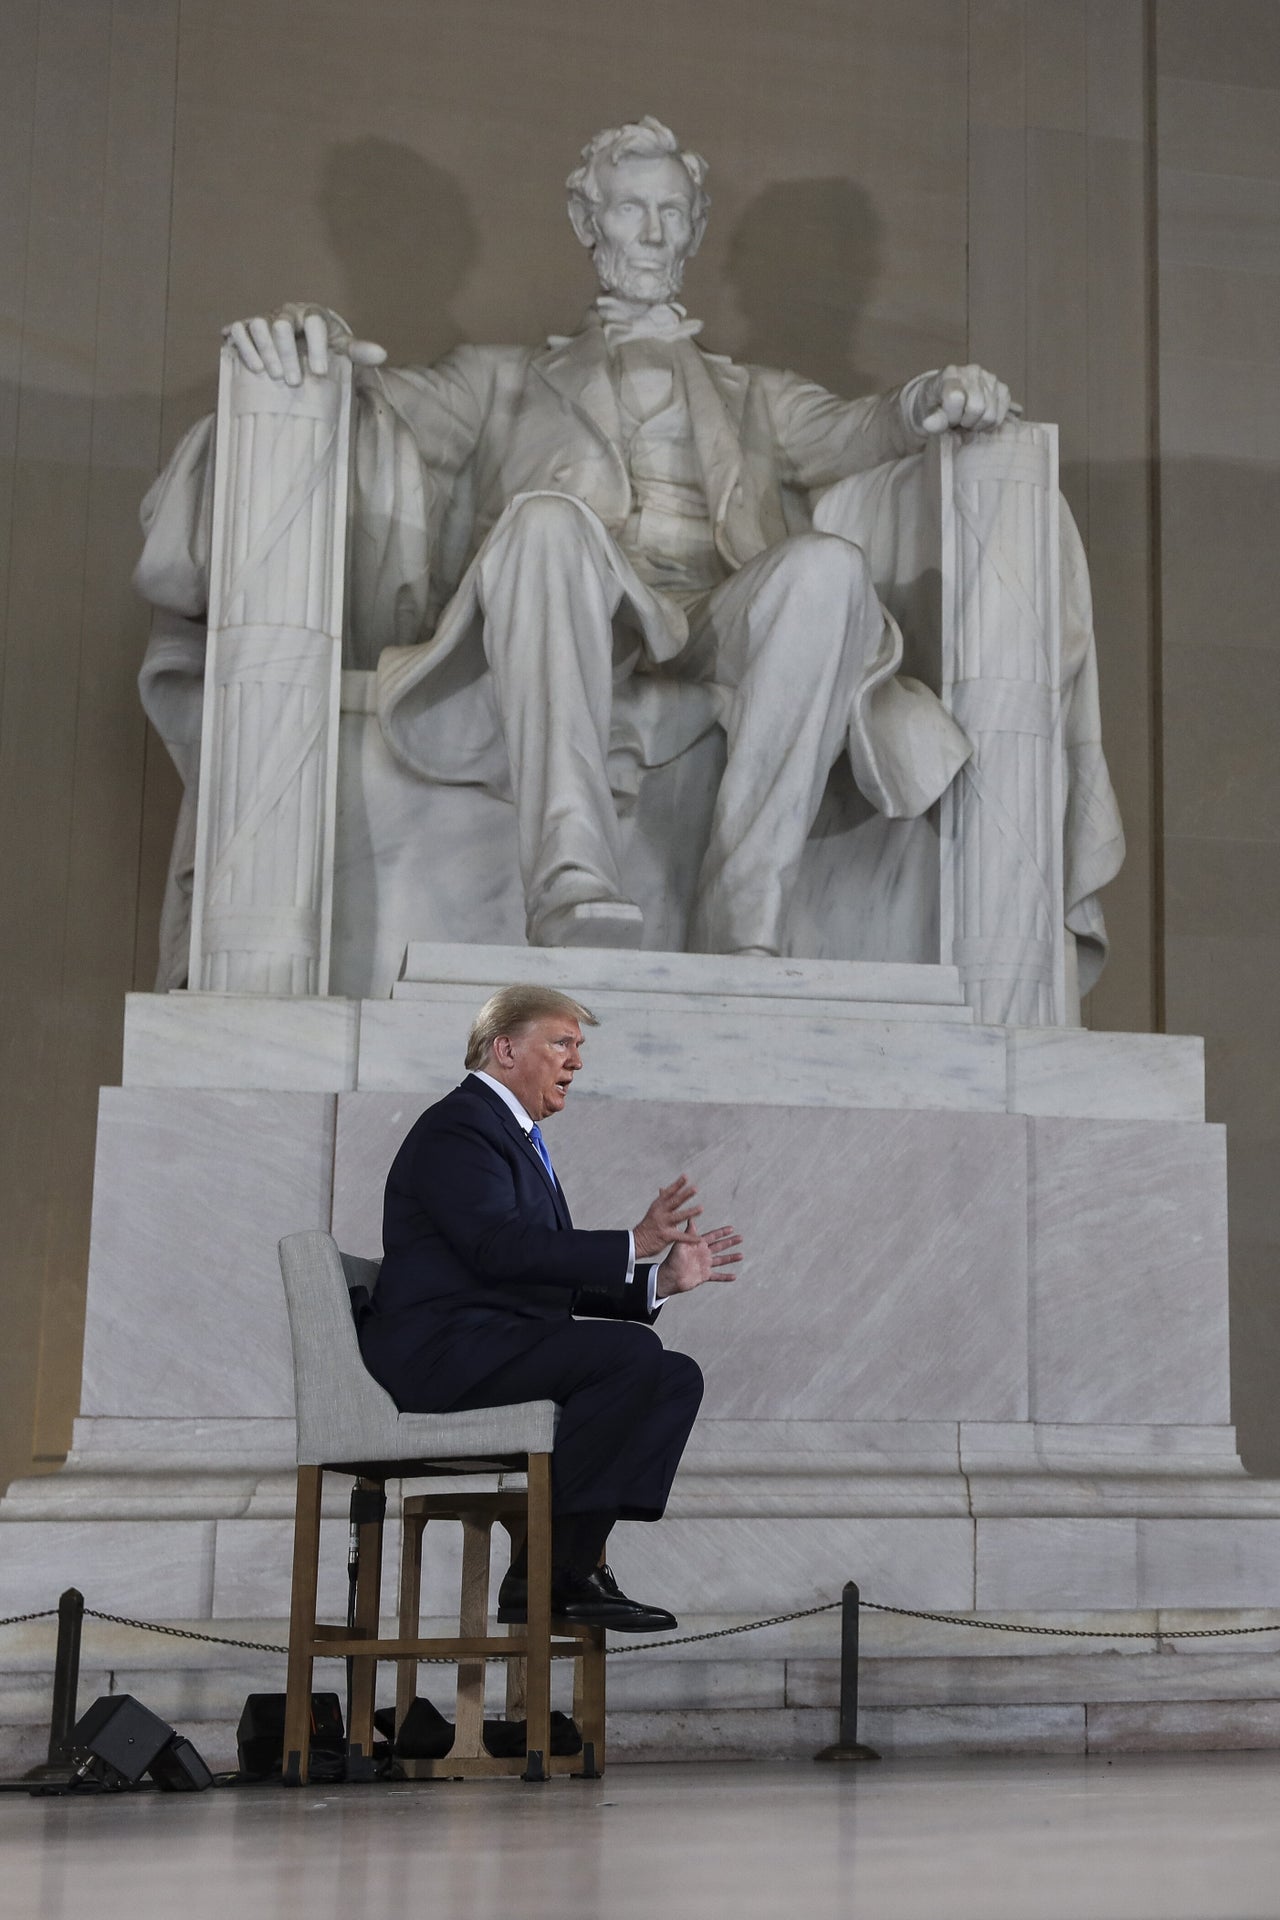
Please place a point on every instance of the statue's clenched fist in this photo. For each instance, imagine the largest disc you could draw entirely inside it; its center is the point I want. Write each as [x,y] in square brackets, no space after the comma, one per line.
[298,338]
[969,398]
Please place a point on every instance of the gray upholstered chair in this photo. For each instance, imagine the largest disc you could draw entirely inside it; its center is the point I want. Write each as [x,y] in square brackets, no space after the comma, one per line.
[347,1424]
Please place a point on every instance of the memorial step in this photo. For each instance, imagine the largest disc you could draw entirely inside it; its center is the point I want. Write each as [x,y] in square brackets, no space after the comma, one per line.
[888,989]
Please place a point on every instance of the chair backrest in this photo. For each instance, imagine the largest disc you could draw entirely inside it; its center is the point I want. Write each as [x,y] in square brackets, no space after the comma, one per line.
[342,1412]
[360,1272]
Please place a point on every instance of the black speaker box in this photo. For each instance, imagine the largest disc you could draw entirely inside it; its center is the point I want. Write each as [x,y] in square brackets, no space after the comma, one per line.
[178,1768]
[260,1734]
[120,1736]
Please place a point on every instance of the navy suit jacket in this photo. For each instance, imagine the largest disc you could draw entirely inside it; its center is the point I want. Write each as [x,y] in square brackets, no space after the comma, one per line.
[480,1253]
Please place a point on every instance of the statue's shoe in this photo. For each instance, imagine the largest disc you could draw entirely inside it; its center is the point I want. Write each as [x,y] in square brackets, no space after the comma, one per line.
[590,1600]
[592,923]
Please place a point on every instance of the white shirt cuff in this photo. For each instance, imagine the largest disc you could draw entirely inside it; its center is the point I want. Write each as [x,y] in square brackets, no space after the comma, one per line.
[654,1264]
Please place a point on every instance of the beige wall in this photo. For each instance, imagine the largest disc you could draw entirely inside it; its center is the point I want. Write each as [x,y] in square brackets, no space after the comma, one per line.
[1060,297]
[86,127]
[896,182]
[1218,127]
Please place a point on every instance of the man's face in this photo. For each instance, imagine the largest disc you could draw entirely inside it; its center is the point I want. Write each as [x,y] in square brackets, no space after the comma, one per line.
[644,228]
[538,1063]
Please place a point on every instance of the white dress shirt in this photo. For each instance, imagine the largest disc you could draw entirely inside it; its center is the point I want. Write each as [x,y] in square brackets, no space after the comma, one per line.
[526,1126]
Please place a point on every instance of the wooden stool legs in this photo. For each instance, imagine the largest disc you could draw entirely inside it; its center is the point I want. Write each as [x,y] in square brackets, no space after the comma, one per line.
[302,1617]
[413,1526]
[526,1517]
[473,1621]
[538,1631]
[588,1701]
[528,1650]
[364,1667]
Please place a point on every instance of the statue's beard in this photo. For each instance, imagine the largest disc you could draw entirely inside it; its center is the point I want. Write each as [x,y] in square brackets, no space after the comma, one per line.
[644,280]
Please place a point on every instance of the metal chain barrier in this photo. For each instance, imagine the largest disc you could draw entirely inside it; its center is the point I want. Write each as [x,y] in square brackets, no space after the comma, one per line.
[1077,1633]
[962,1620]
[724,1633]
[184,1633]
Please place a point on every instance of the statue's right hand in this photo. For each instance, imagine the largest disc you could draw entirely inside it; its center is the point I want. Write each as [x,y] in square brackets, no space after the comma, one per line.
[298,338]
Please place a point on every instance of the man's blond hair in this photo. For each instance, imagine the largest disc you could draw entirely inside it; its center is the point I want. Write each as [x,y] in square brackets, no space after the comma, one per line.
[511,1009]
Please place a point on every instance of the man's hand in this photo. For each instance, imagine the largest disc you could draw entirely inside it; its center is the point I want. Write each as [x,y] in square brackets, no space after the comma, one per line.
[696,1257]
[963,397]
[298,338]
[667,1218]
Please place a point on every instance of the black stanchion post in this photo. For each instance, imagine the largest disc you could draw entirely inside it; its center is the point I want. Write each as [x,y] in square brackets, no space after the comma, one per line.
[66,1674]
[848,1746]
[56,1769]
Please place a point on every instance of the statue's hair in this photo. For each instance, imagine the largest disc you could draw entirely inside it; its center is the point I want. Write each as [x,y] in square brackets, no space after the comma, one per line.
[646,139]
[511,1009]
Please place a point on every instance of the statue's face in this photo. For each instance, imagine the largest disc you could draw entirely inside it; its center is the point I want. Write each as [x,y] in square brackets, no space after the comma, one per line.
[644,228]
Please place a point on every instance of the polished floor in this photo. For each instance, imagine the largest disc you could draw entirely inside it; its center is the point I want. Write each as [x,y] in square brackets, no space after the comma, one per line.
[1178,1838]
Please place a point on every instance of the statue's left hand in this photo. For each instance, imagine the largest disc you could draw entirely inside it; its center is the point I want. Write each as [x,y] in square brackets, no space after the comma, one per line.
[299,338]
[963,397]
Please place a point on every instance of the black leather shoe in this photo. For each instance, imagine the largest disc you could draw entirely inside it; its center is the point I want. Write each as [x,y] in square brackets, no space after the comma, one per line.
[596,1600]
[591,1600]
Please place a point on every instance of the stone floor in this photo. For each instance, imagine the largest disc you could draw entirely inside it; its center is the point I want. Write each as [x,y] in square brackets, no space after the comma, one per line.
[1191,1837]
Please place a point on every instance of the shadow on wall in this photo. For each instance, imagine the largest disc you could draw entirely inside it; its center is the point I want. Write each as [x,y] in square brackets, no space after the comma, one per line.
[403,232]
[802,262]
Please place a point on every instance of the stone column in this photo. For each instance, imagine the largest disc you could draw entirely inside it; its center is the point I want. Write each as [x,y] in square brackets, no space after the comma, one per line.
[268,768]
[1001,825]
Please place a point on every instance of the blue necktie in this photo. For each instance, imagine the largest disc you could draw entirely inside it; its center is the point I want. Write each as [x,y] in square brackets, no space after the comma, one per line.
[542,1153]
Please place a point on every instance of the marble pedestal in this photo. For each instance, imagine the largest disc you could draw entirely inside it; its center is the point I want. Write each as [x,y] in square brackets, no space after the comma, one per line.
[977,1359]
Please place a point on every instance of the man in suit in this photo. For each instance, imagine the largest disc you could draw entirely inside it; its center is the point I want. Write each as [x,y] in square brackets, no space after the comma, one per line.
[484,1273]
[620,503]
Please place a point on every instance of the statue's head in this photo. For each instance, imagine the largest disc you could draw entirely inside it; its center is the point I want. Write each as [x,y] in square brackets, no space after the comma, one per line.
[639,204]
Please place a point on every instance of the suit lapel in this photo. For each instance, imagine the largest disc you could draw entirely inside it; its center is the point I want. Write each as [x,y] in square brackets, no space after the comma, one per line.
[517,1133]
[578,369]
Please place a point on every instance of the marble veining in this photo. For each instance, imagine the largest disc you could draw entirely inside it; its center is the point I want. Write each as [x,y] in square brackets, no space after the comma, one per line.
[428,966]
[1106,1076]
[240,1041]
[686,1057]
[185,1312]
[1128,1305]
[867,1311]
[114,1563]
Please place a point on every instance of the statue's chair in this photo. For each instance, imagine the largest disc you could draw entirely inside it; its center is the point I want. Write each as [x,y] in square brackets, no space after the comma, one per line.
[348,1425]
[318,857]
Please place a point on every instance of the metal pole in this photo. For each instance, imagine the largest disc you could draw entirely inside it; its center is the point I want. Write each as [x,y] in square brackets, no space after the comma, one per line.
[66,1675]
[848,1746]
[57,1770]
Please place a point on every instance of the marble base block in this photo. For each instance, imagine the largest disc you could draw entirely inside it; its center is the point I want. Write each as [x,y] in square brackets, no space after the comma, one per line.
[976,1358]
[678,1028]
[192,1190]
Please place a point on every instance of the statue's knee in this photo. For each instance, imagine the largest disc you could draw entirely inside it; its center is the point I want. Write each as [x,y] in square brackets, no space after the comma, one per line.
[830,562]
[547,518]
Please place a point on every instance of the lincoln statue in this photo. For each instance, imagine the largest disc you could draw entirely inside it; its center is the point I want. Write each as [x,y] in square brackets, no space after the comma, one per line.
[618,506]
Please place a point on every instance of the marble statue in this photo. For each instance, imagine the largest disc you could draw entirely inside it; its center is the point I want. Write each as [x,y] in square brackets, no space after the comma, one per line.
[622,526]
